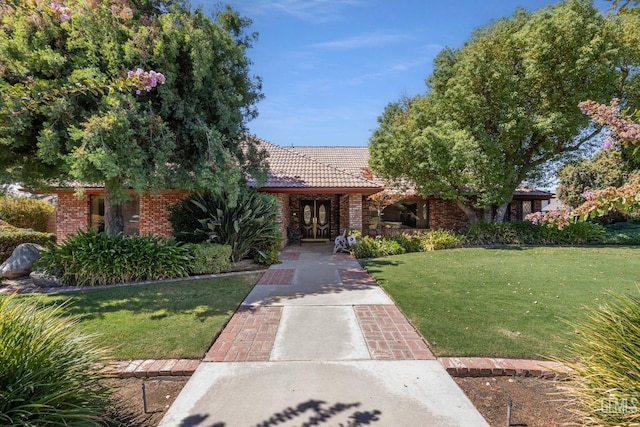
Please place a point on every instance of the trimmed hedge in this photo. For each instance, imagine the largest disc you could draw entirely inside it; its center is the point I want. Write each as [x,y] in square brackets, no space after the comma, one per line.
[396,244]
[22,212]
[518,233]
[209,258]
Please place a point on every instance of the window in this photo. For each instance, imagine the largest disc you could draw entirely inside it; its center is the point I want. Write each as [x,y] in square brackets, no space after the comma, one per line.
[130,214]
[518,210]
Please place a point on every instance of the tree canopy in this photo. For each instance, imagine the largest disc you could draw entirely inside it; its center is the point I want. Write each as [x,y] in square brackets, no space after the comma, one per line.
[66,115]
[505,104]
[578,179]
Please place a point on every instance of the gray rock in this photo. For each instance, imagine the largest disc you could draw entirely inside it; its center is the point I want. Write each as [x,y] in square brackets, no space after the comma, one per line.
[21,261]
[44,280]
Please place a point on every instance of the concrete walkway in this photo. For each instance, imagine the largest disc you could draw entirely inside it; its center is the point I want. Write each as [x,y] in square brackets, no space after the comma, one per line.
[318,343]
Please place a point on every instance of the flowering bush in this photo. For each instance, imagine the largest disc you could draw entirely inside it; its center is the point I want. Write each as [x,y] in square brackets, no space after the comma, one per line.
[63,13]
[558,218]
[623,130]
[146,80]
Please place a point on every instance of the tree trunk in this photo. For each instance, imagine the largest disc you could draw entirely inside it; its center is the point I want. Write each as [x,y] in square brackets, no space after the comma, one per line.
[501,212]
[469,212]
[113,221]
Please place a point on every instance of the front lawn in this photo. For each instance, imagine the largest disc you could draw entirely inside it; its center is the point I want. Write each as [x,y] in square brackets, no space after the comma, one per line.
[506,302]
[160,320]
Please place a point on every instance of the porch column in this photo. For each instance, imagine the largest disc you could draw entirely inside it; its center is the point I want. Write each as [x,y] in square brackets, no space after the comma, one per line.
[355,211]
[284,215]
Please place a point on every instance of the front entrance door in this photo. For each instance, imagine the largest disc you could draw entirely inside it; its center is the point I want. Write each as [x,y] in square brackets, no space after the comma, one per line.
[315,219]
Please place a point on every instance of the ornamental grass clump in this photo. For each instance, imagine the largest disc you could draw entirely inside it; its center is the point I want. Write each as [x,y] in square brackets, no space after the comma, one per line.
[50,375]
[605,364]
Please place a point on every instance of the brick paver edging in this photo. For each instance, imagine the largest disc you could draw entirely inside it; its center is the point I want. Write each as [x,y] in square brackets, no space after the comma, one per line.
[455,366]
[152,368]
[492,367]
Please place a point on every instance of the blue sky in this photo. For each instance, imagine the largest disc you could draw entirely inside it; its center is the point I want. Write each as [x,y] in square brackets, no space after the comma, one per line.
[329,67]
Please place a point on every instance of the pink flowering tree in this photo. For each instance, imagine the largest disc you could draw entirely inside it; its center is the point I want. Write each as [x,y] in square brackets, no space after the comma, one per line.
[125,94]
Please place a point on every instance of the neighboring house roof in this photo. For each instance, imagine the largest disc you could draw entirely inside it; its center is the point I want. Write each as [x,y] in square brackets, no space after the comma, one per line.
[293,169]
[532,193]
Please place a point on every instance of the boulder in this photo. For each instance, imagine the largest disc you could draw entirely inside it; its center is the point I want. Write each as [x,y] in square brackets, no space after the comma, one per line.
[44,279]
[21,261]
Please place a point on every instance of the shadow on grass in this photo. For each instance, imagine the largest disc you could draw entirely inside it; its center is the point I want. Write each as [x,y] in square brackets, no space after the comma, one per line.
[204,298]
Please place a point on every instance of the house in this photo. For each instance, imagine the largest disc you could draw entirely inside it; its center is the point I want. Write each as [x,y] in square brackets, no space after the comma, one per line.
[321,190]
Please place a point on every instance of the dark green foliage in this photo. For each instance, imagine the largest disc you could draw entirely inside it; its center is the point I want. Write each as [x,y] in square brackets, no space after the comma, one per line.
[519,233]
[11,238]
[210,258]
[49,373]
[605,363]
[185,217]
[25,213]
[605,169]
[247,224]
[622,233]
[396,244]
[89,259]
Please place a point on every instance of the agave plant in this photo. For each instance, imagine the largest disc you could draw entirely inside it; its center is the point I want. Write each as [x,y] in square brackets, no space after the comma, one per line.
[248,226]
[49,373]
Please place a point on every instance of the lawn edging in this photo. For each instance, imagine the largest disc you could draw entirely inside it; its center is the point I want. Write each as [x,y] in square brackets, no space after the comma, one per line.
[496,367]
[147,368]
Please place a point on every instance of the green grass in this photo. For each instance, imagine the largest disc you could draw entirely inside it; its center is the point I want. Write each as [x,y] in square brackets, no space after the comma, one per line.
[509,302]
[159,320]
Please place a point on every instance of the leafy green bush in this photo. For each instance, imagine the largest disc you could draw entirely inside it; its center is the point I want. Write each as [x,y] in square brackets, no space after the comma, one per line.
[622,233]
[49,373]
[249,226]
[369,247]
[439,239]
[185,218]
[210,258]
[524,232]
[271,255]
[25,213]
[605,363]
[409,242]
[90,258]
[12,237]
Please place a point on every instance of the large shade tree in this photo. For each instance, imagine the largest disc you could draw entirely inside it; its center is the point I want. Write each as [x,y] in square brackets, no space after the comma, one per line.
[69,112]
[505,104]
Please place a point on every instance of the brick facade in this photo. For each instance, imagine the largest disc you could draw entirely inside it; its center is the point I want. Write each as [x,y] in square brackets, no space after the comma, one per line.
[72,212]
[355,211]
[154,215]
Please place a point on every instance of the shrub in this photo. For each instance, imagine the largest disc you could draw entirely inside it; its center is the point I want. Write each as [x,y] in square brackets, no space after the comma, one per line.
[185,218]
[439,239]
[525,232]
[22,212]
[271,255]
[210,258]
[249,226]
[409,242]
[89,258]
[581,233]
[605,363]
[485,233]
[622,233]
[49,373]
[369,247]
[12,237]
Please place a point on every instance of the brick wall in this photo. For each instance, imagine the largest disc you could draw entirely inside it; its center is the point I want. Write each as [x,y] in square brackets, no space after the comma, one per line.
[154,215]
[446,215]
[72,214]
[284,215]
[355,211]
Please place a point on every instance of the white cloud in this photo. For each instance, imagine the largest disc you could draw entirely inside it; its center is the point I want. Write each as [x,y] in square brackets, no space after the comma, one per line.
[363,40]
[314,11]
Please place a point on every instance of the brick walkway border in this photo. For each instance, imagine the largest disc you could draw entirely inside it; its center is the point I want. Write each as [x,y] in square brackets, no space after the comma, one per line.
[389,335]
[277,276]
[249,336]
[455,366]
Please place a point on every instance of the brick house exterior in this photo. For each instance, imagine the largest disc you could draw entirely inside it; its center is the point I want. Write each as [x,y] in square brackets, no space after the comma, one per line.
[320,190]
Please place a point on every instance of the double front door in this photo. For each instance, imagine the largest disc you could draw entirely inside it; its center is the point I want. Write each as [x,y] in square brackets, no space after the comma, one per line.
[315,219]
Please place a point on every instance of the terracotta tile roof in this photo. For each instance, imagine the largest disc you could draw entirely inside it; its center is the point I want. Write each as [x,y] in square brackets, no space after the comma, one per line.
[293,168]
[350,159]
